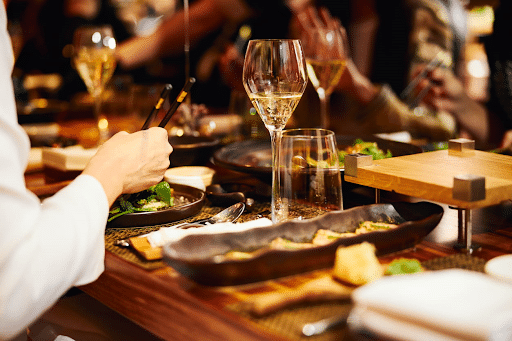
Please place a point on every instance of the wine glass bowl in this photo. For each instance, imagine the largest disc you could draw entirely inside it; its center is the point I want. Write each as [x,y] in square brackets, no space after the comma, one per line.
[94,60]
[275,78]
[326,58]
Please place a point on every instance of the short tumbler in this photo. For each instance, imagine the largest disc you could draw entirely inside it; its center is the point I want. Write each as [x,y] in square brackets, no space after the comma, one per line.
[310,179]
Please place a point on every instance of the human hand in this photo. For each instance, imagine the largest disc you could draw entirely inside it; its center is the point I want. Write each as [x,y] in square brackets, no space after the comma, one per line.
[445,91]
[130,163]
[506,142]
[231,66]
[352,82]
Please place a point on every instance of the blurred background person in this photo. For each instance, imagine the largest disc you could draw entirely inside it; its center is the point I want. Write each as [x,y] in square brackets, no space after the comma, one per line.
[46,47]
[213,26]
[390,42]
[491,121]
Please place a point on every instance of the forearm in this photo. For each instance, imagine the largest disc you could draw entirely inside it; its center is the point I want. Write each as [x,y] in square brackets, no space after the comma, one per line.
[48,248]
[169,38]
[473,118]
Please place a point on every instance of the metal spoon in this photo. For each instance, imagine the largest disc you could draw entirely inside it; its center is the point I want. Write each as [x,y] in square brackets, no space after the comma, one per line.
[227,215]
[230,214]
[319,327]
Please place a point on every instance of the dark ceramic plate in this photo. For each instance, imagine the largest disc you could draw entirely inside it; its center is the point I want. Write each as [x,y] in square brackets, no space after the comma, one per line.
[254,156]
[194,255]
[192,150]
[195,197]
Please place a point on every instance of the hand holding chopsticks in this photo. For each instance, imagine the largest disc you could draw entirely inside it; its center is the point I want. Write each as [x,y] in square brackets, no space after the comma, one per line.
[439,60]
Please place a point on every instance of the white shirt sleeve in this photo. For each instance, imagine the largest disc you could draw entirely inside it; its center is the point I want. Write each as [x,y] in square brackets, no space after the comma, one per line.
[45,247]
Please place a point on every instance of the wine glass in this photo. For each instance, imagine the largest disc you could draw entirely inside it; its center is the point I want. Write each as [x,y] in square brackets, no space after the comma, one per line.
[94,59]
[326,58]
[275,78]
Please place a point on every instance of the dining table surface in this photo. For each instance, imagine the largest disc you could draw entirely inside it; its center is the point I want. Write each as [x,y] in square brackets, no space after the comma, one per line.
[173,307]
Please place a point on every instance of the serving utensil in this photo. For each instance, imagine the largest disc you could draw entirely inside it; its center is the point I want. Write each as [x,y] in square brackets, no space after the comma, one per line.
[230,214]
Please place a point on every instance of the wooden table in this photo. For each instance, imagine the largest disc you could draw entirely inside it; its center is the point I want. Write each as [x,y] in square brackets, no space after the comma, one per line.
[174,308]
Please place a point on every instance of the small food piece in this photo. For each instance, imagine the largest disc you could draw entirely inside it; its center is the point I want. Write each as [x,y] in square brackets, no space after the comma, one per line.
[357,264]
[285,244]
[370,226]
[403,266]
[323,236]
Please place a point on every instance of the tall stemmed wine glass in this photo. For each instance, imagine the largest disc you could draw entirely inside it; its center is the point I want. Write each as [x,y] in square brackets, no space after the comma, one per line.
[326,57]
[275,78]
[94,59]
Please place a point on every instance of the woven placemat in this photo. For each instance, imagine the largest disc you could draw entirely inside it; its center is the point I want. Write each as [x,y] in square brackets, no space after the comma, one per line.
[289,322]
[128,254]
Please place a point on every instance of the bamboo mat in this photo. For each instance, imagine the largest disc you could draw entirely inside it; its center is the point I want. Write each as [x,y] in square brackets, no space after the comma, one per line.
[128,254]
[287,322]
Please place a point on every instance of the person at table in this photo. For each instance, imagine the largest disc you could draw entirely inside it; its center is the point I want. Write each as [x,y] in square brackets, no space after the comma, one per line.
[50,246]
[214,24]
[366,100]
[491,121]
[48,29]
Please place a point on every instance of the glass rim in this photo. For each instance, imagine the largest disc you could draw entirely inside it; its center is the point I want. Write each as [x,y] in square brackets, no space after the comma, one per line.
[275,39]
[303,132]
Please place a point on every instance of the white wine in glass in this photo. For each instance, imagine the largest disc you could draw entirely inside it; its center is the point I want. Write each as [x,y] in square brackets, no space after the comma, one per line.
[275,78]
[95,62]
[326,60]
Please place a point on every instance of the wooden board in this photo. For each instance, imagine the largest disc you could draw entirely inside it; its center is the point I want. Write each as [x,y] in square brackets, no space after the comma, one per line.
[430,176]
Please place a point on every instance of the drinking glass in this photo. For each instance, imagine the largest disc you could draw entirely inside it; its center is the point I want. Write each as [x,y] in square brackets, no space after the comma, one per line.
[94,59]
[310,174]
[326,58]
[274,77]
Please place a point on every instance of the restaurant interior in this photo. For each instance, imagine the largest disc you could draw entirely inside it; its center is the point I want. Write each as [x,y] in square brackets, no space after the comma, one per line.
[235,252]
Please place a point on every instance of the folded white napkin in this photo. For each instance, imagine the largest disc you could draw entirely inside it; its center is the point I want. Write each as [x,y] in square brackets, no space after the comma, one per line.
[73,158]
[439,305]
[170,234]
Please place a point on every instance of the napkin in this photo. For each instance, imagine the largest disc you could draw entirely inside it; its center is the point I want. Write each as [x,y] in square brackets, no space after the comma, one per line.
[441,305]
[73,158]
[170,234]
[35,159]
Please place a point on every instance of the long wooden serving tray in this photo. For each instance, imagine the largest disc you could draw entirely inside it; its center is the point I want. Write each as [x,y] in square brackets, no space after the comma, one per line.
[460,176]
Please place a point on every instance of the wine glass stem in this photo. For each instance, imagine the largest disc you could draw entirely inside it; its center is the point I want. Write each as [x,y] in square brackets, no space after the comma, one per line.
[101,120]
[324,108]
[275,139]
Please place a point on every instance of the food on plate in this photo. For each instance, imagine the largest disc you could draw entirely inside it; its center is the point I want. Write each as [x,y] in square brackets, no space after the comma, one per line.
[363,147]
[357,264]
[321,237]
[403,266]
[157,197]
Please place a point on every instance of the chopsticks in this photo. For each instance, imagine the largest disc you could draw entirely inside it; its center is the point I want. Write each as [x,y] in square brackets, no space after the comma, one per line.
[440,59]
[158,105]
[174,106]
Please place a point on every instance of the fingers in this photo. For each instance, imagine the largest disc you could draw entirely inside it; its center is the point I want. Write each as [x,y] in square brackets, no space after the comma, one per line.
[507,140]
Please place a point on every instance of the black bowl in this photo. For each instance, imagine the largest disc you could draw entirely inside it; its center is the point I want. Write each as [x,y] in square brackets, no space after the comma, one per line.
[192,150]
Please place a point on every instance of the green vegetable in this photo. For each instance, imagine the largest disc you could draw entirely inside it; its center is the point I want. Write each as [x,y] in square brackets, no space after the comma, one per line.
[163,192]
[154,198]
[368,148]
[403,266]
